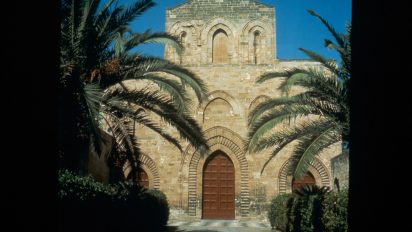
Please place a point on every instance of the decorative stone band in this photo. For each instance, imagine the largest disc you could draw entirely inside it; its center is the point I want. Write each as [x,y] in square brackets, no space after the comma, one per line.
[285,172]
[146,160]
[220,138]
[150,167]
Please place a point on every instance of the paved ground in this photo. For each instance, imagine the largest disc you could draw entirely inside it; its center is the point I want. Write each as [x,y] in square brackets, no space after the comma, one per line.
[220,226]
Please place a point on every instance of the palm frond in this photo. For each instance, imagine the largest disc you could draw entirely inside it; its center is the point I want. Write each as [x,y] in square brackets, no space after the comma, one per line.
[271,120]
[337,36]
[325,94]
[187,127]
[289,134]
[273,154]
[292,80]
[174,89]
[140,117]
[93,96]
[329,64]
[145,65]
[310,146]
[145,121]
[271,104]
[136,9]
[272,75]
[126,144]
[89,9]
[103,12]
[158,37]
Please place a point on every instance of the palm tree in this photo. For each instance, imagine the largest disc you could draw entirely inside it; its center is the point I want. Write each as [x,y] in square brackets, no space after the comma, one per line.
[320,114]
[96,59]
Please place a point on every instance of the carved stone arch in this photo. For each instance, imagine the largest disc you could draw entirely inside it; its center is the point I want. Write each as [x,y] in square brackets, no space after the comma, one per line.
[191,35]
[247,50]
[256,24]
[237,110]
[148,165]
[218,138]
[259,99]
[316,167]
[207,39]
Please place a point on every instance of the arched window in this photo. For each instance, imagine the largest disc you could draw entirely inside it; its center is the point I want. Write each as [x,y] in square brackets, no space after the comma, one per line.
[220,47]
[256,45]
[307,179]
[183,37]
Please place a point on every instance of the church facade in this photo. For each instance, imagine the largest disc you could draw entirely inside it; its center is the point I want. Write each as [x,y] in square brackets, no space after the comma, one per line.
[228,43]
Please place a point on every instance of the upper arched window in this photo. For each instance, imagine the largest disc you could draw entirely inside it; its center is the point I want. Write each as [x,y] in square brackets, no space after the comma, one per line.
[220,47]
[256,45]
[183,38]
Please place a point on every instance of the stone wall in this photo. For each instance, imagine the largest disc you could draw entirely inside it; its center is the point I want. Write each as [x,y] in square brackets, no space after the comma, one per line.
[199,20]
[340,169]
[223,114]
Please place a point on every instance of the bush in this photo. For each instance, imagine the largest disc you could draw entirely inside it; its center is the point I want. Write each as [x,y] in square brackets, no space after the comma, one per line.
[162,206]
[307,214]
[277,213]
[88,205]
[311,211]
[71,186]
[335,211]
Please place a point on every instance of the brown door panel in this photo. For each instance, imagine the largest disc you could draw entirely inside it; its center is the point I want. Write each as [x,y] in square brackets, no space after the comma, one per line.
[218,188]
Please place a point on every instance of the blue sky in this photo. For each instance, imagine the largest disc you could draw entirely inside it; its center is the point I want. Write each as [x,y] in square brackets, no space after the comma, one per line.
[294,26]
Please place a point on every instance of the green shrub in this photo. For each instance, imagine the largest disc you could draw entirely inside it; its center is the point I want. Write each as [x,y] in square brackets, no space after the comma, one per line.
[71,186]
[162,206]
[307,214]
[335,211]
[277,213]
[317,211]
[88,205]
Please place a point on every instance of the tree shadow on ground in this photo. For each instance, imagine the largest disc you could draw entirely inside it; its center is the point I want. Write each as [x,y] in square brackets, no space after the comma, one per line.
[176,229]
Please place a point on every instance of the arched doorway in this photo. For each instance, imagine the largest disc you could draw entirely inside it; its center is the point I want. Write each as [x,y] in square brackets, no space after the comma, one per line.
[307,179]
[218,187]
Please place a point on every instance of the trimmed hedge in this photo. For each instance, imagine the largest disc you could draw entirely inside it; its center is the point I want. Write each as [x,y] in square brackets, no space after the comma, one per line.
[311,213]
[335,211]
[88,205]
[277,213]
[162,207]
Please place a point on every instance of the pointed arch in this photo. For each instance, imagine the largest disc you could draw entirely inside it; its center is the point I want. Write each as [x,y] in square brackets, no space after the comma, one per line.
[209,30]
[259,99]
[317,169]
[149,166]
[262,51]
[237,110]
[218,138]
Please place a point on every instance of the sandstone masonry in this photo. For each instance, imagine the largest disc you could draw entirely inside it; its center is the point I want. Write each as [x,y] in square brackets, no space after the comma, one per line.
[228,43]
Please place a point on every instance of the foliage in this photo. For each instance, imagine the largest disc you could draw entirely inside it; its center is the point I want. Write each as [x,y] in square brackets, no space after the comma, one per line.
[277,213]
[161,209]
[307,190]
[84,188]
[88,205]
[318,210]
[97,59]
[320,113]
[335,211]
[307,214]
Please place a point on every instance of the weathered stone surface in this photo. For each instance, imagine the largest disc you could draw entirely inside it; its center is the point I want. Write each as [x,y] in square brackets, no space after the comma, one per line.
[223,115]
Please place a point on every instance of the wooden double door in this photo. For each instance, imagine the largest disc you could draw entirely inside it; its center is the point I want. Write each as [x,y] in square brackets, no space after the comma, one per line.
[218,187]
